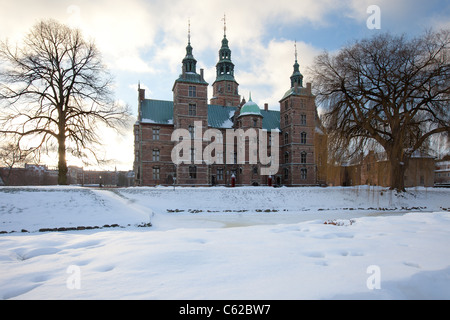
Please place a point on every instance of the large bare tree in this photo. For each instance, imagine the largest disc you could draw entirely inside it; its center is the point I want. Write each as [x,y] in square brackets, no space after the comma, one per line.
[389,91]
[55,92]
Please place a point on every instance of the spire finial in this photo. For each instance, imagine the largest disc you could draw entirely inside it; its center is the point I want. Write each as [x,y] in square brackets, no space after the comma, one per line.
[189,31]
[295,45]
[250,96]
[224,25]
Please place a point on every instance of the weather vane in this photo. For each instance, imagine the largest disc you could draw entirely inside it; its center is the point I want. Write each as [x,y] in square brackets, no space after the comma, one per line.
[189,30]
[224,25]
[295,45]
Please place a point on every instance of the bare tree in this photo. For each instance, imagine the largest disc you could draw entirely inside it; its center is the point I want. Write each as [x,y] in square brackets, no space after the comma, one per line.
[387,90]
[55,92]
[10,156]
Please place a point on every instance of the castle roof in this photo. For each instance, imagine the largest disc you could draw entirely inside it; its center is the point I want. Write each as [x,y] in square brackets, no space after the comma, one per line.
[296,91]
[250,108]
[220,117]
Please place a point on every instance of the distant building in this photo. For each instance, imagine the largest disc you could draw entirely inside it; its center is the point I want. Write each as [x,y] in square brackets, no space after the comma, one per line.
[30,175]
[442,173]
[374,169]
[41,175]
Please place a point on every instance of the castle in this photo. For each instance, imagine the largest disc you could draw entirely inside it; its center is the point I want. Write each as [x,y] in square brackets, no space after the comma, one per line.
[301,141]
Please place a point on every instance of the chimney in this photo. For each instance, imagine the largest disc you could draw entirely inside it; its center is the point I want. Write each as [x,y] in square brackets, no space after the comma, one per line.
[308,87]
[141,94]
[266,106]
[201,74]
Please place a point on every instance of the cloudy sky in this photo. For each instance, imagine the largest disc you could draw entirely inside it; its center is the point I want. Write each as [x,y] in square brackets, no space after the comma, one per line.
[145,40]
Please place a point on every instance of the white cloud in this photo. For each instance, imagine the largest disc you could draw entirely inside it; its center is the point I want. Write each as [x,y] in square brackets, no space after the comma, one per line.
[268,77]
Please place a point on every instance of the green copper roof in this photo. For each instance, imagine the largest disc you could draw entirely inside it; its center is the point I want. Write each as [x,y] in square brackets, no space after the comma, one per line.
[221,117]
[191,78]
[299,92]
[250,108]
[156,111]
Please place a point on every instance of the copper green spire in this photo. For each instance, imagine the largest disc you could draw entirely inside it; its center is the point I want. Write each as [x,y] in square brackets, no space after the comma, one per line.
[225,67]
[189,62]
[296,77]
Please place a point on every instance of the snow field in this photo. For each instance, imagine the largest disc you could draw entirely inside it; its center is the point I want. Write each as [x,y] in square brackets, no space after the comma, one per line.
[208,258]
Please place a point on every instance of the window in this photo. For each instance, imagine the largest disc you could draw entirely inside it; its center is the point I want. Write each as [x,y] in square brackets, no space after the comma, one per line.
[303,157]
[303,119]
[192,172]
[302,104]
[286,138]
[192,154]
[303,138]
[286,105]
[303,173]
[156,155]
[219,158]
[155,134]
[286,120]
[156,173]
[192,109]
[255,170]
[255,122]
[192,91]
[286,173]
[229,87]
[286,157]
[220,174]
[192,131]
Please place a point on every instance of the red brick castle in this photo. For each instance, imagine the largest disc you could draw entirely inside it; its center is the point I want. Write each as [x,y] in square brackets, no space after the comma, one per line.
[302,143]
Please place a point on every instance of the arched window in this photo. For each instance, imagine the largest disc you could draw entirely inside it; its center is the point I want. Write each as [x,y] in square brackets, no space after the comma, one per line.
[303,157]
[286,138]
[286,157]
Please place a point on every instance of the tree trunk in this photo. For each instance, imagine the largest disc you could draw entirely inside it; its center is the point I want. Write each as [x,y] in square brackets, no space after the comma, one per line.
[398,169]
[62,163]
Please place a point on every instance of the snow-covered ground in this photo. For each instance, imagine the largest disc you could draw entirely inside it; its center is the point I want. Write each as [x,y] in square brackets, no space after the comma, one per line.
[223,243]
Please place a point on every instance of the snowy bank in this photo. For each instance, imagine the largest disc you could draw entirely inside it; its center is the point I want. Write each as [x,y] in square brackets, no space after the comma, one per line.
[362,254]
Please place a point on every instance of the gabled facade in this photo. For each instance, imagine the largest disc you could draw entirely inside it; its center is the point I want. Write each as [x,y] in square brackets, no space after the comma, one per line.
[301,140]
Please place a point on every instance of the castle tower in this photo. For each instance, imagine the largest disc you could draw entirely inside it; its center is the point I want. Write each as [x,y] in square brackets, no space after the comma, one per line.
[190,107]
[297,124]
[225,87]
[250,118]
